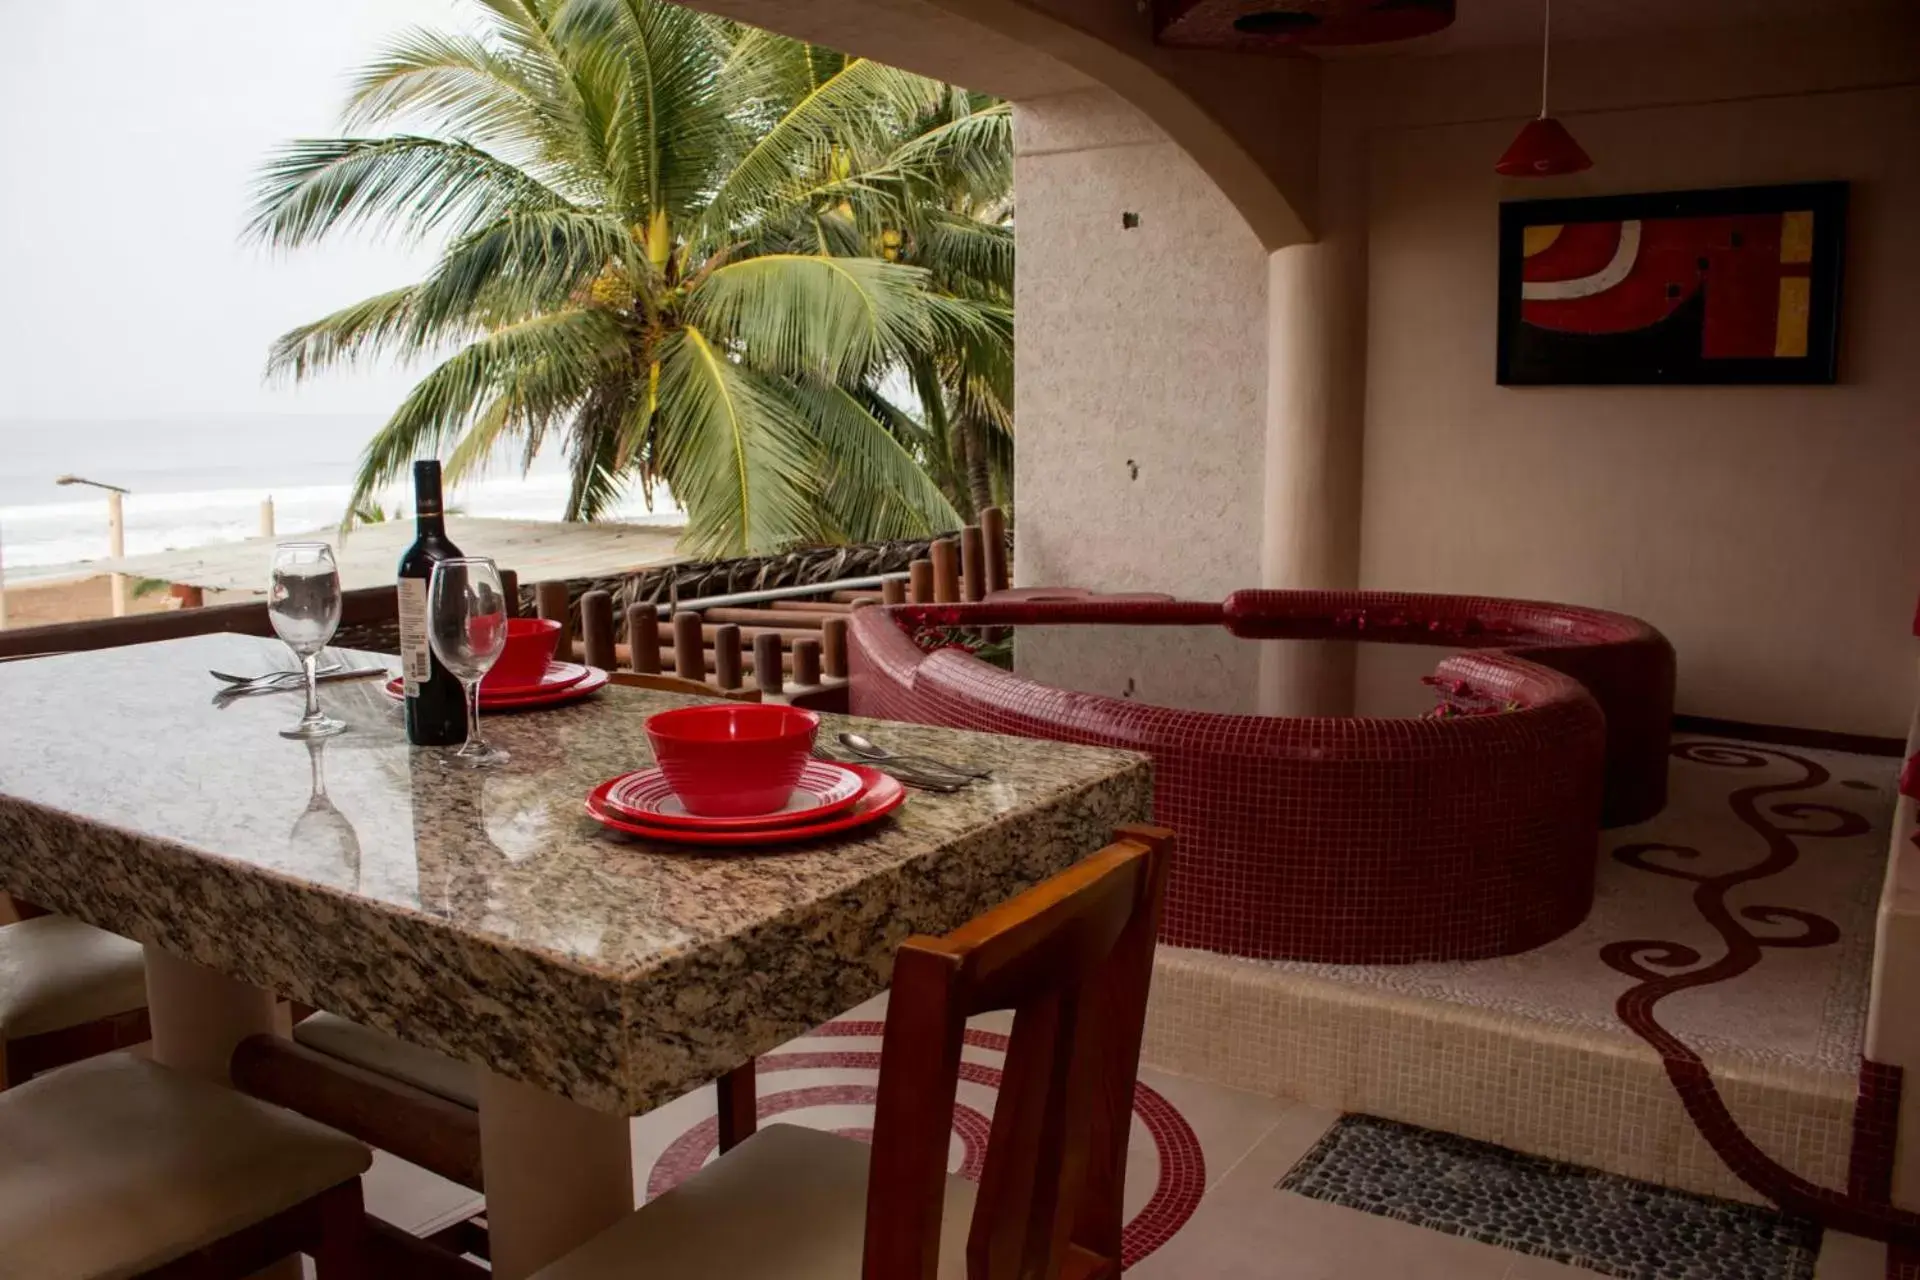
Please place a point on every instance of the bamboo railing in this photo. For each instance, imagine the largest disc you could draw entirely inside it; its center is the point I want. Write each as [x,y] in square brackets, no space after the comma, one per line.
[788,648]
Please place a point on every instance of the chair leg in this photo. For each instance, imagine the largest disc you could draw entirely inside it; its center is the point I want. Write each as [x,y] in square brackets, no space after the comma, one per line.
[739,1106]
[340,1253]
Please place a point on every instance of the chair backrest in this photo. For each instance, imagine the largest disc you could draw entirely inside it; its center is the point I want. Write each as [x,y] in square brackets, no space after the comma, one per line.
[1073,958]
[675,684]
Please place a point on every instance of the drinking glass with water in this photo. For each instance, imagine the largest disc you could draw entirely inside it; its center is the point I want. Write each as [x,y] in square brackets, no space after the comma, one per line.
[304,604]
[467,627]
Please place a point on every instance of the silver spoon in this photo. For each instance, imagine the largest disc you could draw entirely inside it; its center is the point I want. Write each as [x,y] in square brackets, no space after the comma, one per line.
[871,750]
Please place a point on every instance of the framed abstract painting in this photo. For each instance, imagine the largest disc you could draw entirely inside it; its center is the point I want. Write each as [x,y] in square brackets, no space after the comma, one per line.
[1737,285]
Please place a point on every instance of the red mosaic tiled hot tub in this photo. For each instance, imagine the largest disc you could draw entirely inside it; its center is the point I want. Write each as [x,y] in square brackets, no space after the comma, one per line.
[1345,840]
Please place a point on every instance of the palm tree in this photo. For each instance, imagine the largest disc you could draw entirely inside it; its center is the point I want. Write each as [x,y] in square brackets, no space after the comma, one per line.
[619,184]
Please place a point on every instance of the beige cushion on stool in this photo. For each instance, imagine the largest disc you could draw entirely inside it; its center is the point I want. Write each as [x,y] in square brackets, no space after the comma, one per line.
[112,1166]
[788,1203]
[377,1051]
[56,972]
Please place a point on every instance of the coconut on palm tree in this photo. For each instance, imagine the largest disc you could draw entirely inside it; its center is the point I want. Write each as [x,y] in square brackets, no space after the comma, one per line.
[682,251]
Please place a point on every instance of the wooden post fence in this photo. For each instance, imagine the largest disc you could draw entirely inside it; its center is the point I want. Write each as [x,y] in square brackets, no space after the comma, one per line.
[643,639]
[550,601]
[596,630]
[726,656]
[946,571]
[993,529]
[833,647]
[689,646]
[767,675]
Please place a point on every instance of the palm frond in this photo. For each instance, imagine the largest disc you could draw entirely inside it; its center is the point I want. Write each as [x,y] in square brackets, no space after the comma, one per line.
[593,454]
[524,263]
[661,62]
[966,257]
[872,487]
[467,88]
[971,154]
[814,315]
[378,325]
[406,185]
[734,451]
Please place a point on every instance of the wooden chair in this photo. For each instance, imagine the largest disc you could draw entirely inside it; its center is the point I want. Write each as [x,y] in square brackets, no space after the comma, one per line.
[677,684]
[1073,958]
[67,991]
[119,1167]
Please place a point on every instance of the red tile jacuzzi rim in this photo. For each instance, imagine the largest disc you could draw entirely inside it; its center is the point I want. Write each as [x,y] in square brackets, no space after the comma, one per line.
[1345,839]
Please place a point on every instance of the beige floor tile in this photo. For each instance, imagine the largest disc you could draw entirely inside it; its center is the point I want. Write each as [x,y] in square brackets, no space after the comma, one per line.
[1254,1232]
[1844,1257]
[1229,1122]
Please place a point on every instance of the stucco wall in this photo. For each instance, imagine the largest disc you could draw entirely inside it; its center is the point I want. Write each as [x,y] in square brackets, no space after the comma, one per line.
[1142,364]
[1772,533]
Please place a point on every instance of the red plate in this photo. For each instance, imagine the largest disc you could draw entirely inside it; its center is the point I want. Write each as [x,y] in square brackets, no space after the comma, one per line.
[558,675]
[593,682]
[645,797]
[879,796]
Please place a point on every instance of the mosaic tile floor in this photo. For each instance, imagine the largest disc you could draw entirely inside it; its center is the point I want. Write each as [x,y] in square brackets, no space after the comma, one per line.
[1803,1008]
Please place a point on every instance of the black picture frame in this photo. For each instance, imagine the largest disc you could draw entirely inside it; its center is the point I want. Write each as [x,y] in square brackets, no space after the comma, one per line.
[1532,356]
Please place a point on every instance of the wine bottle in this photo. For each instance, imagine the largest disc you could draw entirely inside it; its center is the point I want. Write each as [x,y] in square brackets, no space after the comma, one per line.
[436,707]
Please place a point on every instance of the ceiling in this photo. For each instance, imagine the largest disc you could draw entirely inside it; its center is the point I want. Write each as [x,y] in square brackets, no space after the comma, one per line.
[1491,23]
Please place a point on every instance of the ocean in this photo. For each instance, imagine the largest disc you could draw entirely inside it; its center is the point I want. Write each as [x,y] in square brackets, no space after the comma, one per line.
[200,480]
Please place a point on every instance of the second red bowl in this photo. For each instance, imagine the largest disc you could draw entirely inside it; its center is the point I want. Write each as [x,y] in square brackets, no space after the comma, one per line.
[732,760]
[529,648]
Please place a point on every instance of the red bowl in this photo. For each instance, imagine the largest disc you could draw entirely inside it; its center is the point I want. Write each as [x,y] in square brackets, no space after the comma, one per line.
[732,760]
[529,648]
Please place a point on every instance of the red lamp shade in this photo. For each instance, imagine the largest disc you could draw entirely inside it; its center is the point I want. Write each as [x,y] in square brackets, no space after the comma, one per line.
[1544,149]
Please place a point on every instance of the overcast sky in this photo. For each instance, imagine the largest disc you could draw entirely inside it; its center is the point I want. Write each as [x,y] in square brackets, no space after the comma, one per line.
[129,131]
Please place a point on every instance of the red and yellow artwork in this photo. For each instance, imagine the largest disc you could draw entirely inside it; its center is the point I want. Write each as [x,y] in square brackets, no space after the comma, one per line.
[1717,296]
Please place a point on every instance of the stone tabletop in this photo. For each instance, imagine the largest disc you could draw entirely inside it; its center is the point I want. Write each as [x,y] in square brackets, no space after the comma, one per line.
[480,912]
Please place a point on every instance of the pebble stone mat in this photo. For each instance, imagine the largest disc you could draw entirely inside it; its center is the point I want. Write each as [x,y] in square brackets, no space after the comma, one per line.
[1579,1216]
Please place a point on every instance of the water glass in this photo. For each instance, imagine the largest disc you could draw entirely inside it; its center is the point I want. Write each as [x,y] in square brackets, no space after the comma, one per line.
[303,601]
[467,627]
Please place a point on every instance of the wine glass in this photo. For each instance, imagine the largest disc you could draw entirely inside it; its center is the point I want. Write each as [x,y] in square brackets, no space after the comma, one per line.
[467,627]
[304,604]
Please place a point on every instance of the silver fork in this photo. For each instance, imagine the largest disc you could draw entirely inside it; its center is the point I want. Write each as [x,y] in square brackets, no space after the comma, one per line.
[271,677]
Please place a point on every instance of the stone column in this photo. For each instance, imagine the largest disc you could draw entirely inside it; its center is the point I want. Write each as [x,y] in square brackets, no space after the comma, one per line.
[1315,401]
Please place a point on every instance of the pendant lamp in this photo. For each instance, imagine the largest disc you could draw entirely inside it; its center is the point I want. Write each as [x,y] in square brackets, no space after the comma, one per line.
[1544,148]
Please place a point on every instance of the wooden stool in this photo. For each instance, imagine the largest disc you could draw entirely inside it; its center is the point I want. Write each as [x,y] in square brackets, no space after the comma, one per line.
[118,1167]
[67,991]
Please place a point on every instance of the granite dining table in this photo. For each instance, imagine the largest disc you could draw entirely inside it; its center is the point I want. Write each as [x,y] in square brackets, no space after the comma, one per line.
[480,912]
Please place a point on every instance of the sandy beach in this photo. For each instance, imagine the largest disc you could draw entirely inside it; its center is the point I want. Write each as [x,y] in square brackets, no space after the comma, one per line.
[35,604]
